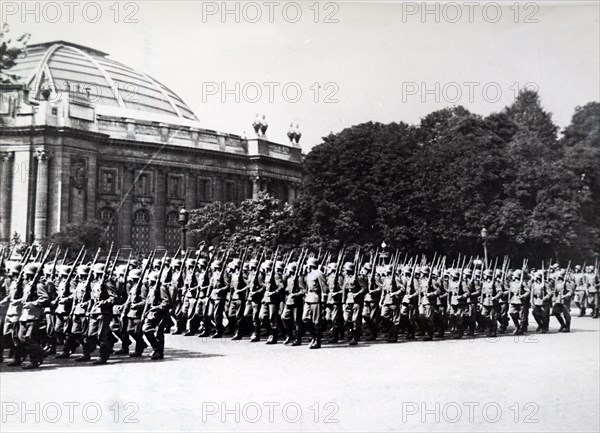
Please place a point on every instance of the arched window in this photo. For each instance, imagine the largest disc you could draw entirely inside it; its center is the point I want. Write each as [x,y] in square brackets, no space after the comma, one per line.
[107,218]
[172,236]
[140,232]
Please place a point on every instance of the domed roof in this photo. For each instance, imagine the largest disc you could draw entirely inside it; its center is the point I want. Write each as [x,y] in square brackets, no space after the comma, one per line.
[115,88]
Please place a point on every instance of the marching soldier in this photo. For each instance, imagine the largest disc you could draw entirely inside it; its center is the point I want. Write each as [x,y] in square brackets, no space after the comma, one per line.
[334,303]
[63,304]
[13,303]
[580,290]
[133,309]
[78,323]
[503,301]
[218,288]
[191,295]
[371,311]
[409,310]
[490,294]
[119,322]
[239,278]
[35,299]
[562,293]
[459,292]
[102,298]
[156,313]
[427,302]
[47,335]
[256,281]
[591,283]
[269,314]
[440,318]
[541,301]
[315,285]
[293,308]
[519,302]
[391,299]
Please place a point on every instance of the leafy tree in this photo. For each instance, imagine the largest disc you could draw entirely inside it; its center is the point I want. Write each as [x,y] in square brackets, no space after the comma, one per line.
[90,234]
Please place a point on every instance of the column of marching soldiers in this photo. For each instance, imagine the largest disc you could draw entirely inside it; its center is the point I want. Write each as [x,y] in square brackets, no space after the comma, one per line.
[252,292]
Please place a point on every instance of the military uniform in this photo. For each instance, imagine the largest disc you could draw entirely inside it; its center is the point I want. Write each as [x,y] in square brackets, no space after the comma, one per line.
[561,301]
[591,283]
[459,293]
[63,305]
[427,303]
[133,310]
[541,299]
[237,302]
[491,291]
[269,314]
[580,290]
[316,283]
[293,308]
[355,289]
[519,303]
[390,310]
[157,307]
[372,309]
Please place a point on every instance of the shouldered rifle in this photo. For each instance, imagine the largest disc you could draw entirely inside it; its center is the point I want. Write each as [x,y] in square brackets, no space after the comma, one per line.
[65,256]
[38,275]
[151,298]
[114,263]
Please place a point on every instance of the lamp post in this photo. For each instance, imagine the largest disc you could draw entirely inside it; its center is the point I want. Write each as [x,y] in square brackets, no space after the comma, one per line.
[484,241]
[383,251]
[184,217]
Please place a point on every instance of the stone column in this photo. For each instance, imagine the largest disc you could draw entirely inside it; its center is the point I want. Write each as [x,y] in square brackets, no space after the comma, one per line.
[158,222]
[291,192]
[124,219]
[255,187]
[41,196]
[5,195]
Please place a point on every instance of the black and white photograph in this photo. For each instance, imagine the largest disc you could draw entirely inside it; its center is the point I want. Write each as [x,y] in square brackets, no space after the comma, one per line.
[299,216]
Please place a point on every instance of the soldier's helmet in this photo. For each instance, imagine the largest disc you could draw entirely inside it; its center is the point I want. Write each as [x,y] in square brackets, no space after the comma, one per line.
[454,273]
[134,263]
[31,268]
[560,274]
[190,263]
[99,268]
[368,267]
[538,274]
[292,266]
[488,273]
[406,270]
[167,261]
[279,265]
[153,277]
[217,264]
[156,263]
[246,267]
[436,272]
[48,268]
[202,262]
[590,269]
[267,265]
[83,270]
[14,267]
[425,270]
[64,270]
[135,274]
[120,271]
[467,272]
[517,273]
[577,268]
[176,263]
[349,267]
[312,262]
[387,269]
[253,263]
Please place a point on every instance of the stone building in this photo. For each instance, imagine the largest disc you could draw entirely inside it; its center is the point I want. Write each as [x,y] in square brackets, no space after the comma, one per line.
[83,137]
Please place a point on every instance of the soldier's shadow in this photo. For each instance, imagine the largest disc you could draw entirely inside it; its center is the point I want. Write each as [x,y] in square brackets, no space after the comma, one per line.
[50,363]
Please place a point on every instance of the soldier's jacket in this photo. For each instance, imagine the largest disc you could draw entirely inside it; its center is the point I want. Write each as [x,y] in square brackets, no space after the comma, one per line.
[459,291]
[218,285]
[136,300]
[4,298]
[64,299]
[440,289]
[427,294]
[411,291]
[490,291]
[102,297]
[256,288]
[335,291]
[579,279]
[238,281]
[519,292]
[81,299]
[474,286]
[391,290]
[52,294]
[591,282]
[294,290]
[35,299]
[351,286]
[315,284]
[15,301]
[158,301]
[540,293]
[274,290]
[374,293]
[563,291]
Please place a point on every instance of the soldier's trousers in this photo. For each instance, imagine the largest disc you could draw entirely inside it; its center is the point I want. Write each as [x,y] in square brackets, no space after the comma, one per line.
[390,317]
[371,315]
[489,313]
[409,314]
[353,317]
[118,326]
[581,301]
[440,319]
[456,320]
[311,316]
[99,334]
[292,319]
[562,314]
[518,314]
[61,322]
[336,317]
[216,311]
[236,314]
[426,319]
[10,335]
[503,317]
[592,300]
[76,335]
[134,330]
[154,330]
[541,314]
[269,318]
[28,340]
[252,313]
[48,336]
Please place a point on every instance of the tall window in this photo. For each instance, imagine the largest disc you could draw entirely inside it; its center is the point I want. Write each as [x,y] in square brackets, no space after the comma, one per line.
[107,218]
[230,192]
[172,232]
[204,194]
[140,232]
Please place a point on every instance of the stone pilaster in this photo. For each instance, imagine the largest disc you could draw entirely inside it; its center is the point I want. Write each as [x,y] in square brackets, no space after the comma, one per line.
[255,187]
[41,195]
[126,208]
[5,194]
[158,222]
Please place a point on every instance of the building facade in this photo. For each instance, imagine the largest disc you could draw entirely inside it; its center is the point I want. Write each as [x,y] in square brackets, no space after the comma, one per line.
[75,146]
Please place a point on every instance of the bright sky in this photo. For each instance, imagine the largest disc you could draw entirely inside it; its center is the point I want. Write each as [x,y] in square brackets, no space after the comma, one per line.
[381,61]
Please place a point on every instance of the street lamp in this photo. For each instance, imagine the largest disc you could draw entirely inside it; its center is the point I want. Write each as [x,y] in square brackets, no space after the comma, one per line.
[184,217]
[484,241]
